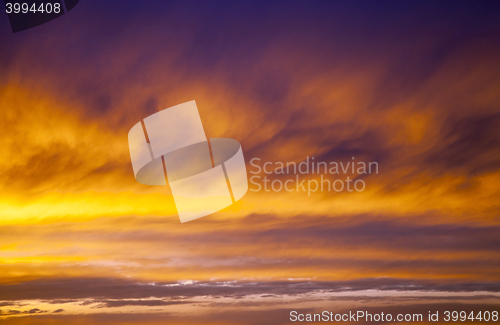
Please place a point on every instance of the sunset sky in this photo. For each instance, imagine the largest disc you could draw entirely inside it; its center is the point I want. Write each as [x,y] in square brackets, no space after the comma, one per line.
[415,88]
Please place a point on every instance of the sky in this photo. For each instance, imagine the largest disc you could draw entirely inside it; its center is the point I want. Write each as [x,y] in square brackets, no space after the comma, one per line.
[412,87]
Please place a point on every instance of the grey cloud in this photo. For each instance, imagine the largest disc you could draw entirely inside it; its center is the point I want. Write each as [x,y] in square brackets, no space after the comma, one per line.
[122,303]
[105,290]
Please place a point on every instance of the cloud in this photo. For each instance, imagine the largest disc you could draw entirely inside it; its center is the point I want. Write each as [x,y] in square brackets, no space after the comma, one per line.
[383,244]
[6,303]
[271,316]
[122,303]
[112,292]
[18,312]
[413,87]
[469,145]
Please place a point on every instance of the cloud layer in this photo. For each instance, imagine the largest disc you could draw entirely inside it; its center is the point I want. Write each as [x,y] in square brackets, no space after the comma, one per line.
[413,87]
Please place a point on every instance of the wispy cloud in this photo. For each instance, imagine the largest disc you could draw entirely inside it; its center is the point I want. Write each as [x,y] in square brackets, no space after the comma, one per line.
[411,86]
